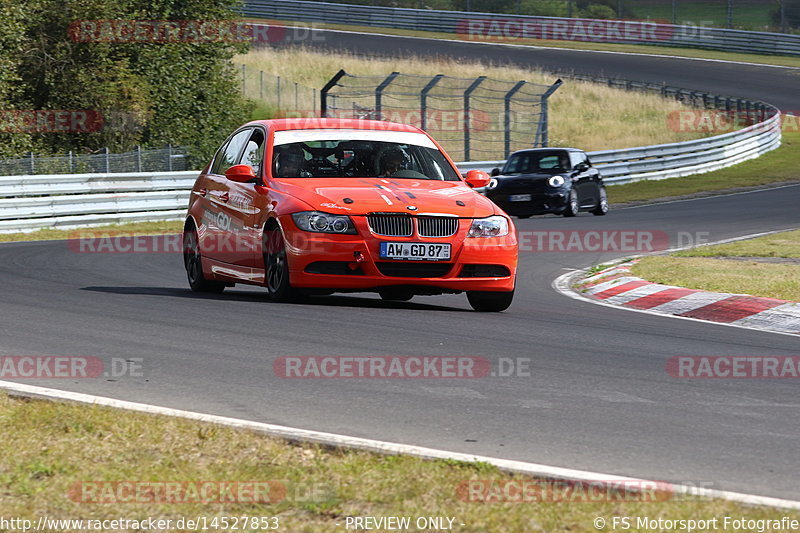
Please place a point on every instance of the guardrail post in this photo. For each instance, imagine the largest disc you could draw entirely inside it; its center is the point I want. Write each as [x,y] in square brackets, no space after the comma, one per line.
[467,94]
[323,93]
[423,100]
[507,116]
[379,93]
[542,136]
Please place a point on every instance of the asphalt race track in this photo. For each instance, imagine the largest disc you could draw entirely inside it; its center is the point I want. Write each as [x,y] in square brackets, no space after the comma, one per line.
[597,397]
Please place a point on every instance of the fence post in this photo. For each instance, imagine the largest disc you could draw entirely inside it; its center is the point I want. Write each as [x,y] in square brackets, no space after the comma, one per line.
[70,161]
[507,117]
[261,84]
[467,94]
[379,92]
[138,158]
[33,167]
[169,157]
[674,12]
[108,161]
[423,100]
[244,78]
[323,93]
[542,131]
[279,92]
[730,14]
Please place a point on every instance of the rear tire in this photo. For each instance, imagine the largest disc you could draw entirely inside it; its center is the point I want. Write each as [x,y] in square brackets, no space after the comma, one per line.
[602,205]
[192,261]
[573,207]
[276,267]
[490,302]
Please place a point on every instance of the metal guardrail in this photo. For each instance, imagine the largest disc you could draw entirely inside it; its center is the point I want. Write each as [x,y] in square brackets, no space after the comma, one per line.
[510,27]
[32,202]
[673,160]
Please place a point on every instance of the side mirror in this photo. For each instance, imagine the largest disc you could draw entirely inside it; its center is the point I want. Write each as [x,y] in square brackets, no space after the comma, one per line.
[495,172]
[582,167]
[240,173]
[478,178]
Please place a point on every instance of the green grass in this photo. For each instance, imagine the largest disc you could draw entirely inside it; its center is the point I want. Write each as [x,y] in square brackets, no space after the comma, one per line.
[720,275]
[784,244]
[777,166]
[701,268]
[135,228]
[77,444]
[786,61]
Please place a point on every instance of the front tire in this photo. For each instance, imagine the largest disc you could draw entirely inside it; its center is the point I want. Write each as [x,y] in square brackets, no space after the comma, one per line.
[276,267]
[490,302]
[573,207]
[192,261]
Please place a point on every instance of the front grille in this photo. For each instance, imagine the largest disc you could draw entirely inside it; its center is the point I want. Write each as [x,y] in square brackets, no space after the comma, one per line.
[414,270]
[390,225]
[437,226]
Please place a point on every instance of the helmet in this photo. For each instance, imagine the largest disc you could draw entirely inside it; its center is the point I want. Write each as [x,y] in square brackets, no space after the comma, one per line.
[394,159]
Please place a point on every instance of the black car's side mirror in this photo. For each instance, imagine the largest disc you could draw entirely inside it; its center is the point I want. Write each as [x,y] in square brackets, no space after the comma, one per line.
[582,167]
[495,172]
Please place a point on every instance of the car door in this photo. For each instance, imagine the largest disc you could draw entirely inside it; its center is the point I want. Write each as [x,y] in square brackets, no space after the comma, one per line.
[583,178]
[222,226]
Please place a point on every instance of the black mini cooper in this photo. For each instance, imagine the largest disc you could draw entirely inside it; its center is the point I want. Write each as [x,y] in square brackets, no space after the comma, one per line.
[548,180]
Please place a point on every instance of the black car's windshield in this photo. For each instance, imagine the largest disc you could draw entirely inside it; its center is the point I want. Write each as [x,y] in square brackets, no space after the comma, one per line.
[345,158]
[546,162]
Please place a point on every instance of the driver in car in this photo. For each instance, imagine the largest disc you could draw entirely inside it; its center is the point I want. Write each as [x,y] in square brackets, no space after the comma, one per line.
[392,161]
[289,164]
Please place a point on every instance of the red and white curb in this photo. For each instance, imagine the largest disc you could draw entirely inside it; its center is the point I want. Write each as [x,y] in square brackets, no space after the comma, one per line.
[616,286]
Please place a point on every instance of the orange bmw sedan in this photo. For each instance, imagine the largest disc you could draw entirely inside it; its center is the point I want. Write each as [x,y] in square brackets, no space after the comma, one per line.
[317,206]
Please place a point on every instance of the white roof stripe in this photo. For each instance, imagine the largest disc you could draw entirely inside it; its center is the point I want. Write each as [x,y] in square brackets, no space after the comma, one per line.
[399,137]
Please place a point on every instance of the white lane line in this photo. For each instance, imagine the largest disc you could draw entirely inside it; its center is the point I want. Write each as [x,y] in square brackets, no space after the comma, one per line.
[538,47]
[392,448]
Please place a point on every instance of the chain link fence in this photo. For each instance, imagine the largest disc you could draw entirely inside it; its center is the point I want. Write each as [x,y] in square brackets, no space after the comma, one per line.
[278,96]
[159,160]
[473,118]
[771,15]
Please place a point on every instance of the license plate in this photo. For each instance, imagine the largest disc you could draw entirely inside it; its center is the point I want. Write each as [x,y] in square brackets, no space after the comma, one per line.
[519,198]
[415,251]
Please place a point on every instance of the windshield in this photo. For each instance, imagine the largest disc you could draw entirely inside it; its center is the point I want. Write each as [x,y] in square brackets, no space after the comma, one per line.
[537,162]
[347,158]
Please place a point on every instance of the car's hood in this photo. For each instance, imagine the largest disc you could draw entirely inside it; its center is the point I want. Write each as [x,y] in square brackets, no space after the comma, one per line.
[360,196]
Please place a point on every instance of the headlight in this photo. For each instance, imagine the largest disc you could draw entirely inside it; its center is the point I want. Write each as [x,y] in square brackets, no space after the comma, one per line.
[495,226]
[324,222]
[556,181]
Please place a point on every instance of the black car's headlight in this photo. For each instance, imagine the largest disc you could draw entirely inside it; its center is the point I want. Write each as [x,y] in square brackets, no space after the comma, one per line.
[324,222]
[494,226]
[556,181]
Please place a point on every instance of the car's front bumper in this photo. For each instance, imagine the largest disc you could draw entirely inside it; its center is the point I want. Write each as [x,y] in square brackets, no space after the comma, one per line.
[540,203]
[352,262]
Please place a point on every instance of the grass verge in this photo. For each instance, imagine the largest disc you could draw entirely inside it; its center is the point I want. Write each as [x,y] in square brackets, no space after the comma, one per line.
[79,448]
[784,61]
[703,268]
[778,166]
[134,228]
[589,115]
